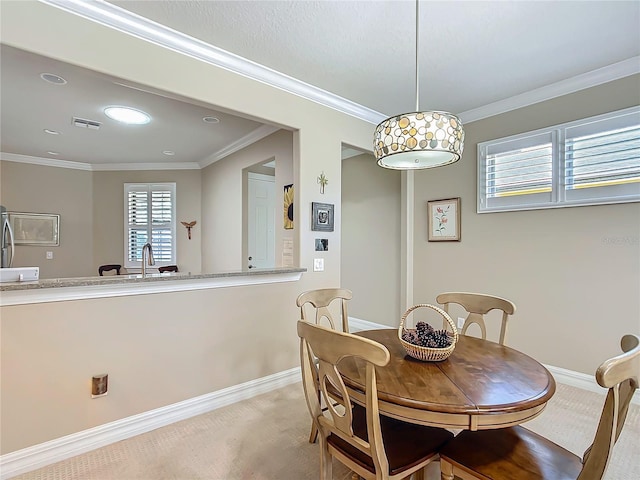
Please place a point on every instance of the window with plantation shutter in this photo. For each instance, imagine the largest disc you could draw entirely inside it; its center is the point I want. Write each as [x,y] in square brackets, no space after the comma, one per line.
[587,162]
[150,217]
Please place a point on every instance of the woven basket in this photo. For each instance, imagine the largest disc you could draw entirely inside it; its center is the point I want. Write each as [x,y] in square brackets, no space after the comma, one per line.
[428,354]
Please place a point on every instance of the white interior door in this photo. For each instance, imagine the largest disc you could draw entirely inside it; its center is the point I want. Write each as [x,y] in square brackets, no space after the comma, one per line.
[261,221]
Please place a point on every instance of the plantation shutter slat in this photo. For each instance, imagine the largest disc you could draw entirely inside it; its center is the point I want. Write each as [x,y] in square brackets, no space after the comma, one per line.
[150,218]
[592,161]
[609,157]
[518,172]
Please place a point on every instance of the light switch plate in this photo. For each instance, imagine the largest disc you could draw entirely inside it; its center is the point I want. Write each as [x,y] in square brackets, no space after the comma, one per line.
[318,264]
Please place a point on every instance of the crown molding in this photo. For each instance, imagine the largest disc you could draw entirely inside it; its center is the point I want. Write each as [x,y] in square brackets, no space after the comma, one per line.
[108,167]
[47,162]
[127,22]
[594,78]
[252,137]
[99,167]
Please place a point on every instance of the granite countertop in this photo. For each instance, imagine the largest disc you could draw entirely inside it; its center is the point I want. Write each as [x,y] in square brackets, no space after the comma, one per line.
[138,278]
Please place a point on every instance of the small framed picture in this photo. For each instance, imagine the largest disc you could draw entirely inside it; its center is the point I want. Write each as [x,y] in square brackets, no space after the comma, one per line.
[444,220]
[322,244]
[321,217]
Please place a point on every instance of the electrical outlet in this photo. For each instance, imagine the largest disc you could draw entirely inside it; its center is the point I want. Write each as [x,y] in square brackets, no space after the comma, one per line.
[318,264]
[49,255]
[99,385]
[460,323]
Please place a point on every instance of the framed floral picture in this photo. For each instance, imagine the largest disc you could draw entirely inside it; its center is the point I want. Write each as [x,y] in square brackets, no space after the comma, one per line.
[444,220]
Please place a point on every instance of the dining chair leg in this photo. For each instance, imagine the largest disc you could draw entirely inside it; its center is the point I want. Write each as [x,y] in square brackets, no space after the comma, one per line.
[313,436]
[326,461]
[446,470]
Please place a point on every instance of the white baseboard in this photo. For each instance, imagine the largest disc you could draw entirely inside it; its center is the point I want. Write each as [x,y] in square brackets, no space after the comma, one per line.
[583,381]
[357,324]
[38,456]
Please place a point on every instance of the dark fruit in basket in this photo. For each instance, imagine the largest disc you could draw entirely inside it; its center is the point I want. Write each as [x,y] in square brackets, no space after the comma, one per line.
[424,335]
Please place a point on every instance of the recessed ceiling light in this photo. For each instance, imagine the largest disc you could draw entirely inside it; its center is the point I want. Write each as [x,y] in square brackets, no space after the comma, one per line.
[51,132]
[53,153]
[52,78]
[169,152]
[211,120]
[127,115]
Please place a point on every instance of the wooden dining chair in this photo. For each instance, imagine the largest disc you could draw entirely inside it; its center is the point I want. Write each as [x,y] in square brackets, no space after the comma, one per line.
[321,300]
[517,452]
[111,269]
[168,268]
[371,445]
[477,305]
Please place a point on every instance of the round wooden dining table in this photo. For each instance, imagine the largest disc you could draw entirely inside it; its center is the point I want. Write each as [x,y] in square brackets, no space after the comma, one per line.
[482,385]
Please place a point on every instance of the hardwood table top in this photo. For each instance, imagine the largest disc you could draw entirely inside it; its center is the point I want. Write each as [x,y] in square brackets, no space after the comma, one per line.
[482,385]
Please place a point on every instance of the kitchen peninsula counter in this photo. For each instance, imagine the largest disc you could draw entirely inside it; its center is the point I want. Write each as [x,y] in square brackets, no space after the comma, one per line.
[64,289]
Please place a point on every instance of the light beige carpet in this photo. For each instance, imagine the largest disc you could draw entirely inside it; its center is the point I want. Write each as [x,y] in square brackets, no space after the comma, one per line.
[265,438]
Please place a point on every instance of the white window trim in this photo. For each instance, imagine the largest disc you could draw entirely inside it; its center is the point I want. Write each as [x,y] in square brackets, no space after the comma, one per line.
[136,266]
[557,197]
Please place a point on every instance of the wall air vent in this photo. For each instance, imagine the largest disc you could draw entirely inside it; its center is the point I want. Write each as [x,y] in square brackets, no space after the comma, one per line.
[84,123]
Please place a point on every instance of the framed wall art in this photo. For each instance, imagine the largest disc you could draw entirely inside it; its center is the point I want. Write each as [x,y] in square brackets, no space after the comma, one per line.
[35,228]
[444,220]
[322,244]
[288,206]
[321,217]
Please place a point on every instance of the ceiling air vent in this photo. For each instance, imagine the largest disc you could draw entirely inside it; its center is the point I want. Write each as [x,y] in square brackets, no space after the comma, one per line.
[84,123]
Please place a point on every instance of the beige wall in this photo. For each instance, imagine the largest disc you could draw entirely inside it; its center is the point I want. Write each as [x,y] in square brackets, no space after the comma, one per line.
[91,208]
[66,192]
[163,348]
[371,240]
[108,211]
[157,350]
[575,286]
[223,201]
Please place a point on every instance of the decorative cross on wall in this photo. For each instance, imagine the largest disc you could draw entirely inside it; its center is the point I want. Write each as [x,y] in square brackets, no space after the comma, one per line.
[322,180]
[189,226]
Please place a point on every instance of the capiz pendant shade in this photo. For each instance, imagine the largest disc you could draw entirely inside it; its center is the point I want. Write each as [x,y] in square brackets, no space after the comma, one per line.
[418,140]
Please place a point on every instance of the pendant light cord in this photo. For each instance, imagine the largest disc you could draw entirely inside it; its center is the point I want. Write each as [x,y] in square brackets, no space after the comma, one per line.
[417,34]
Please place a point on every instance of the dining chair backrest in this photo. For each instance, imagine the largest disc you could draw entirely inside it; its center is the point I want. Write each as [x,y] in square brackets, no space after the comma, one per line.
[620,375]
[477,305]
[321,349]
[111,269]
[322,299]
[168,268]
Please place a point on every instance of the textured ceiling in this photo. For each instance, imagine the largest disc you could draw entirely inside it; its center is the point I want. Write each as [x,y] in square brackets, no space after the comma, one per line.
[471,53]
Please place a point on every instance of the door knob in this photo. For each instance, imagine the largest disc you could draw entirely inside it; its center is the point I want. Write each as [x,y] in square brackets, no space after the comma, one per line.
[250,258]
[251,266]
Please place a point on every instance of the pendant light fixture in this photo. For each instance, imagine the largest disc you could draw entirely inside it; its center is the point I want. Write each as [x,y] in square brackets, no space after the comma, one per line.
[416,140]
